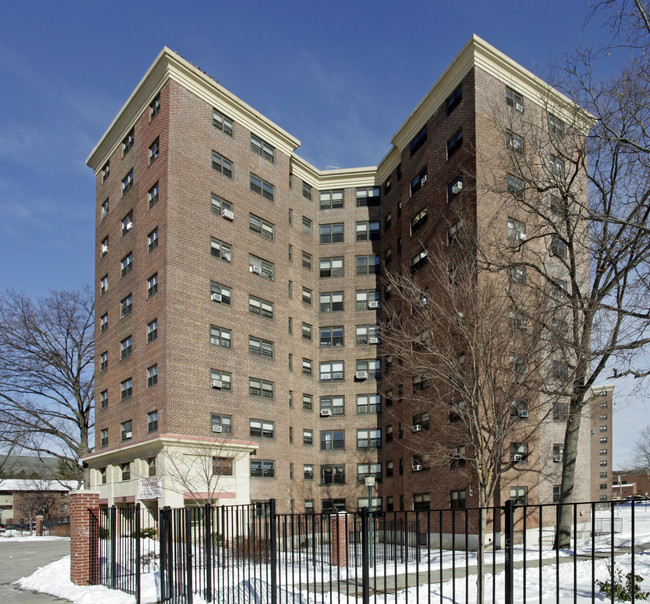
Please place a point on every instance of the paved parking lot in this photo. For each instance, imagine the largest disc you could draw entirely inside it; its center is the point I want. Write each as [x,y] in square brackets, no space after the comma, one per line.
[20,559]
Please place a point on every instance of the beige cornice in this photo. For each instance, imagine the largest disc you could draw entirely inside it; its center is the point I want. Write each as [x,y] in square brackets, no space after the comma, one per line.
[333,179]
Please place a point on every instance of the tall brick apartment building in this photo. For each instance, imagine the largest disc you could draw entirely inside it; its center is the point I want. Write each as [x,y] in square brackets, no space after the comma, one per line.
[239,290]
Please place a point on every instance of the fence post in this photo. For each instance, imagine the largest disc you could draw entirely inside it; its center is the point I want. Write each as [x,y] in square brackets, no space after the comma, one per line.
[338,539]
[138,567]
[189,588]
[166,561]
[83,537]
[365,559]
[208,551]
[113,545]
[273,528]
[508,551]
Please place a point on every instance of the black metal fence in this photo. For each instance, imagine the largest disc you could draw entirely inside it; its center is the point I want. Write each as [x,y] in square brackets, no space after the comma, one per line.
[251,554]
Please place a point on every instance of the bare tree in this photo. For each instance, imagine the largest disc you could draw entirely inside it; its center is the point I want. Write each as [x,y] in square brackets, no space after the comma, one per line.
[580,182]
[642,457]
[39,500]
[47,375]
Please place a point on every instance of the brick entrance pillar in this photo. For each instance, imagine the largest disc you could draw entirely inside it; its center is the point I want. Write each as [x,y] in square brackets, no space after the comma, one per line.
[340,525]
[83,550]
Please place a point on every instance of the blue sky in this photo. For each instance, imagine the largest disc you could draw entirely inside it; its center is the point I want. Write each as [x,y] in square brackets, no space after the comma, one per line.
[340,76]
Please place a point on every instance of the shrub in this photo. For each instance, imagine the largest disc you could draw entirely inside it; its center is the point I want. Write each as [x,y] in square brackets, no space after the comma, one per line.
[146,533]
[615,588]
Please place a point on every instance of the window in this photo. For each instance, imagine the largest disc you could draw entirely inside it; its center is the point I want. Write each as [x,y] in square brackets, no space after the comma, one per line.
[454,99]
[261,307]
[419,220]
[369,439]
[221,164]
[559,370]
[454,232]
[152,240]
[518,363]
[555,125]
[454,143]
[127,223]
[127,182]
[390,465]
[102,471]
[262,468]
[221,207]
[222,466]
[387,185]
[604,462]
[518,452]
[154,151]
[330,267]
[306,225]
[126,306]
[126,388]
[455,187]
[154,107]
[307,437]
[104,437]
[518,318]
[103,361]
[558,452]
[220,380]
[603,428]
[258,387]
[127,142]
[306,295]
[602,416]
[260,347]
[262,148]
[418,181]
[152,421]
[332,474]
[371,366]
[368,403]
[127,430]
[367,299]
[556,166]
[514,142]
[306,260]
[261,227]
[126,347]
[306,331]
[106,171]
[263,428]
[331,200]
[420,421]
[103,399]
[603,439]
[368,231]
[458,457]
[516,230]
[331,302]
[367,265]
[418,140]
[332,405]
[457,499]
[519,495]
[152,376]
[152,285]
[421,501]
[603,452]
[221,122]
[125,469]
[307,402]
[306,191]
[221,423]
[261,267]
[419,260]
[153,195]
[220,336]
[308,472]
[261,187]
[331,336]
[104,246]
[560,411]
[105,209]
[514,99]
[367,334]
[368,196]
[558,247]
[388,219]
[517,274]
[331,233]
[515,186]
[332,371]
[603,475]
[103,323]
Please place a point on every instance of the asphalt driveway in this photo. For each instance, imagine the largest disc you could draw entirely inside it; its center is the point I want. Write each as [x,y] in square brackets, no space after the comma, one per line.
[20,559]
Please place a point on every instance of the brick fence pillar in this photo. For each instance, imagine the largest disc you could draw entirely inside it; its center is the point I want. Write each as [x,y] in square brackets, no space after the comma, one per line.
[39,525]
[339,538]
[83,550]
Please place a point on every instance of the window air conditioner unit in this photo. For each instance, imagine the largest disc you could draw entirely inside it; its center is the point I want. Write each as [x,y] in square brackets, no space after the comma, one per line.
[417,467]
[217,428]
[325,412]
[255,269]
[373,340]
[373,305]
[557,458]
[417,428]
[226,256]
[361,375]
[423,179]
[229,214]
[216,384]
[523,413]
[517,457]
[519,107]
[128,435]
[129,226]
[215,297]
[522,237]
[104,249]
[457,187]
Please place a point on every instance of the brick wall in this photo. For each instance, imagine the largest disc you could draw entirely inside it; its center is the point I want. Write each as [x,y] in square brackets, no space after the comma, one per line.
[83,561]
